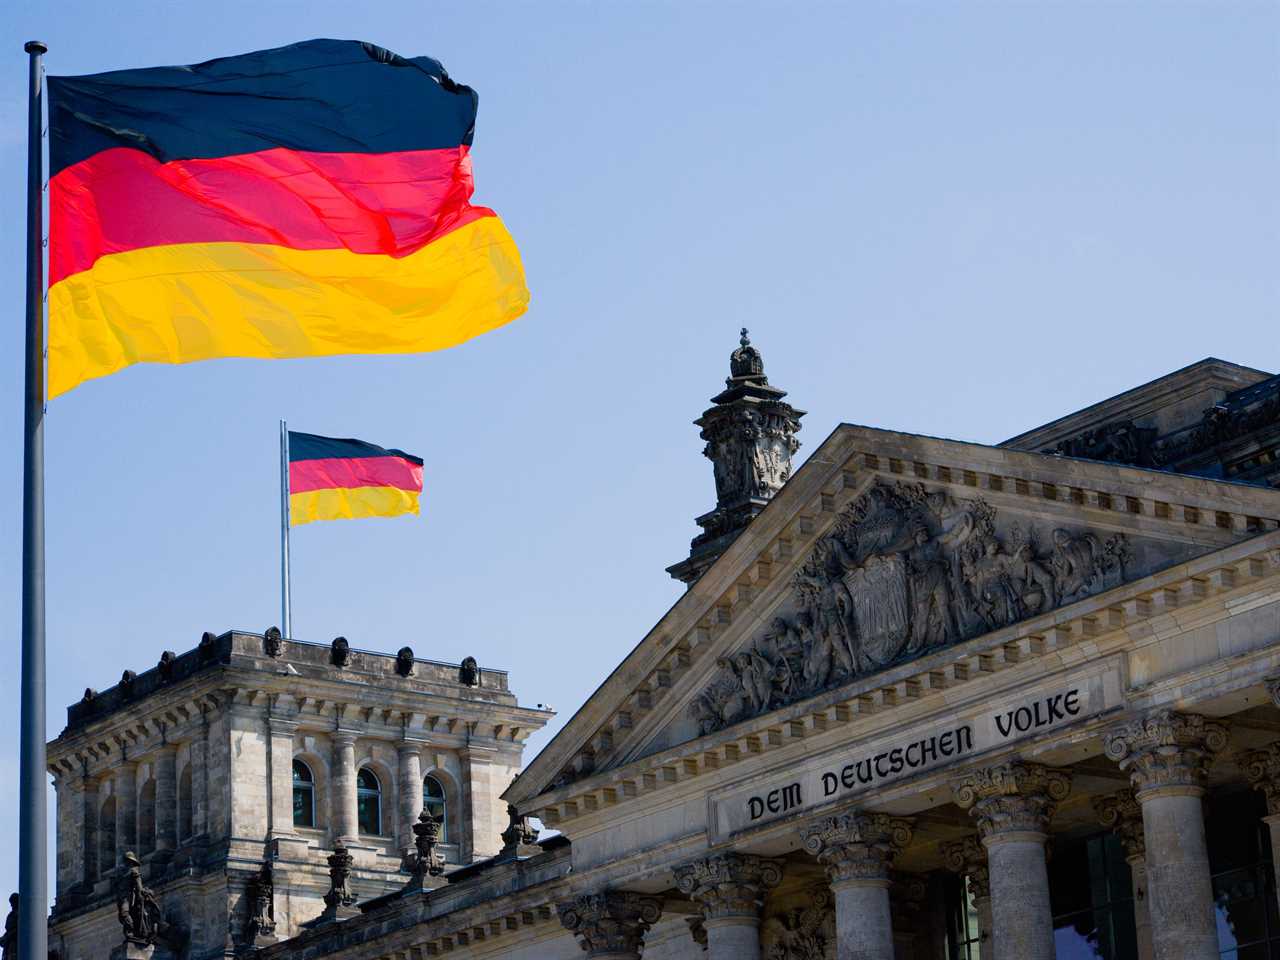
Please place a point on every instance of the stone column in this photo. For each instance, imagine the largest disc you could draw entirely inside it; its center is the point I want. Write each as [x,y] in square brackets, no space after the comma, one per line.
[1012,803]
[1262,767]
[281,760]
[409,756]
[968,857]
[343,792]
[89,806]
[857,849]
[1166,756]
[126,793]
[1122,815]
[65,833]
[200,780]
[610,925]
[730,889]
[166,774]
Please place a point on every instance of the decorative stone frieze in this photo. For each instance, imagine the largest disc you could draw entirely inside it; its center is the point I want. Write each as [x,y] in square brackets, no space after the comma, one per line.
[968,858]
[1122,814]
[857,846]
[803,929]
[1166,751]
[729,884]
[610,923]
[1012,797]
[1262,767]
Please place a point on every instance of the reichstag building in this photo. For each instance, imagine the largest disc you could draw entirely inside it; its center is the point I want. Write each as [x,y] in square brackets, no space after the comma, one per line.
[922,699]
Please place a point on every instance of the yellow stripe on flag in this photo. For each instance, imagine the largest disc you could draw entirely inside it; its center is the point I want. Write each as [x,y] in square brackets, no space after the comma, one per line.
[197,301]
[350,503]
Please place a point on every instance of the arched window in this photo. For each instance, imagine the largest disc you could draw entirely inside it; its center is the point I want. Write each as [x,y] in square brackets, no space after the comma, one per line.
[184,804]
[433,801]
[369,802]
[107,837]
[147,818]
[304,795]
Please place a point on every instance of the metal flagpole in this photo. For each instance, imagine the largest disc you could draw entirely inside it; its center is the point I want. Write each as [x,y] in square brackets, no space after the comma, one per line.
[33,905]
[286,611]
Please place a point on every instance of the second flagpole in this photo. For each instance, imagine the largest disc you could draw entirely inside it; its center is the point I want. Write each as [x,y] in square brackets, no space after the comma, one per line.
[286,612]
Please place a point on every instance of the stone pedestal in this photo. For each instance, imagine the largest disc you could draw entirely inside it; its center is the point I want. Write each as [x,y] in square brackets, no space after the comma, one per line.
[730,889]
[1122,815]
[1012,803]
[610,925]
[1166,756]
[133,951]
[968,857]
[857,849]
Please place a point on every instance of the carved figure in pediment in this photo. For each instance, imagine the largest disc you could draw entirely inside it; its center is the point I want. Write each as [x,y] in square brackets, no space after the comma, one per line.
[1076,563]
[933,614]
[991,586]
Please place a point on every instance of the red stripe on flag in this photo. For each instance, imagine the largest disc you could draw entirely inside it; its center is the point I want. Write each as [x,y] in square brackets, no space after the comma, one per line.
[376,203]
[307,475]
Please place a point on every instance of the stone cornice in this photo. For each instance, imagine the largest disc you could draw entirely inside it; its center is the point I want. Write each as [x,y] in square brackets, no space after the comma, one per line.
[740,587]
[1099,625]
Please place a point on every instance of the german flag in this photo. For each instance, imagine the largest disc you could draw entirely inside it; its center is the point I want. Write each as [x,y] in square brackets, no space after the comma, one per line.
[305,201]
[331,479]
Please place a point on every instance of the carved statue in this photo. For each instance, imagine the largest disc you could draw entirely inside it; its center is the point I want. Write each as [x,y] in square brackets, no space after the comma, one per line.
[424,861]
[340,862]
[404,661]
[802,932]
[904,570]
[9,942]
[469,673]
[272,642]
[340,652]
[262,911]
[165,666]
[137,907]
[518,833]
[127,678]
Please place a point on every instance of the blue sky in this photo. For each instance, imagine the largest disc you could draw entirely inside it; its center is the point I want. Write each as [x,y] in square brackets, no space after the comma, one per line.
[954,219]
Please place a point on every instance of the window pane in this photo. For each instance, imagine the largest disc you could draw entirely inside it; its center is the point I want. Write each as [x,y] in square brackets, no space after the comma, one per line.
[303,807]
[369,815]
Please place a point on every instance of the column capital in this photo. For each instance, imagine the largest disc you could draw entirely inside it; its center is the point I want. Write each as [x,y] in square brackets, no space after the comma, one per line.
[282,725]
[857,847]
[1122,814]
[610,922]
[409,745]
[968,857]
[1011,798]
[1262,767]
[728,884]
[344,738]
[1166,752]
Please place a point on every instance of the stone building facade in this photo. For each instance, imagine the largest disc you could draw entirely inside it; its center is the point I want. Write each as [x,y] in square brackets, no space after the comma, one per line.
[251,750]
[923,699]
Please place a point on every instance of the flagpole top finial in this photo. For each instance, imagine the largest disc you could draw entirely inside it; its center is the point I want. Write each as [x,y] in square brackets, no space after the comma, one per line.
[35,46]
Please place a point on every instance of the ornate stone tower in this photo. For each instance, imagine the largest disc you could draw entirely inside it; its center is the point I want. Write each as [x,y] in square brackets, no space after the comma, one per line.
[751,435]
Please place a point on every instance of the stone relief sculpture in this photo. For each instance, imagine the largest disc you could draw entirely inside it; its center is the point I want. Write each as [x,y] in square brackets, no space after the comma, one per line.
[905,570]
[272,642]
[801,932]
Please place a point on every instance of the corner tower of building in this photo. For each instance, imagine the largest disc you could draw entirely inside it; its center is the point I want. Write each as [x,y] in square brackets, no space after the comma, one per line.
[750,432]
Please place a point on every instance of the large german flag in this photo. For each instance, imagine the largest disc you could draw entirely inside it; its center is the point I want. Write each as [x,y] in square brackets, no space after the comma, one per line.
[333,479]
[305,201]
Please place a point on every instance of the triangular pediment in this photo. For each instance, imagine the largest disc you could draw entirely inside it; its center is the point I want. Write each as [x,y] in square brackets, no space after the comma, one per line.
[885,548]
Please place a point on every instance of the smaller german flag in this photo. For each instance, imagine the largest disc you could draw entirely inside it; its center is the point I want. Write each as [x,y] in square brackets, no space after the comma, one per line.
[332,479]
